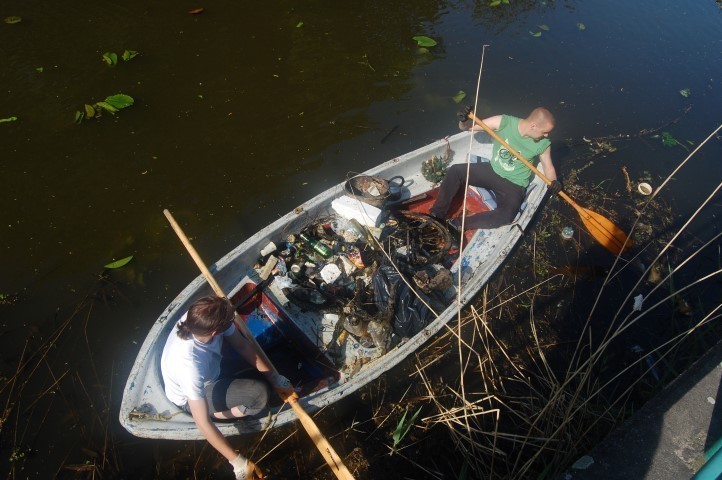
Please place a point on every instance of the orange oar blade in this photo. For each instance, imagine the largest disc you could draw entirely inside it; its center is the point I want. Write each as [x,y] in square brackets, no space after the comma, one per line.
[608,234]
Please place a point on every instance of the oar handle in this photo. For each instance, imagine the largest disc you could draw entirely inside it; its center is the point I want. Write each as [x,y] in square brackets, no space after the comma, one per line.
[194,254]
[325,448]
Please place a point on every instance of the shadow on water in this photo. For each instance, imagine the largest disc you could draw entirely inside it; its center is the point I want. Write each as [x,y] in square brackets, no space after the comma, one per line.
[243,113]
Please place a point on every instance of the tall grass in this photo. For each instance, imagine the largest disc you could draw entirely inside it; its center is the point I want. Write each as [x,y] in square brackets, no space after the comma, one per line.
[529,414]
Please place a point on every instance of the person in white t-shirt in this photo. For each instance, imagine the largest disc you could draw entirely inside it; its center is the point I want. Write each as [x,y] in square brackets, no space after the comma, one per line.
[191,368]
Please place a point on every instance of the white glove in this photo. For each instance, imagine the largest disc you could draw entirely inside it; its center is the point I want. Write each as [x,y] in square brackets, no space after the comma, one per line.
[240,467]
[279,381]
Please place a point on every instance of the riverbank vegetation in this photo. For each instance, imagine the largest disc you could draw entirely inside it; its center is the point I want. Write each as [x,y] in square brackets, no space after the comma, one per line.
[560,347]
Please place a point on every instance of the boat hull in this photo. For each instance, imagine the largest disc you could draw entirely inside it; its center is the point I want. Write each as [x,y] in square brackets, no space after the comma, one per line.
[146,412]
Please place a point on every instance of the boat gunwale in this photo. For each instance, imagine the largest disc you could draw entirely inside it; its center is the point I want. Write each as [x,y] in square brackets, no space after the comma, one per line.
[227,276]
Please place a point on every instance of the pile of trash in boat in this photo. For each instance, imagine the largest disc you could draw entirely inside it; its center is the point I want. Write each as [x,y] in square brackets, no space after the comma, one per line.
[380,280]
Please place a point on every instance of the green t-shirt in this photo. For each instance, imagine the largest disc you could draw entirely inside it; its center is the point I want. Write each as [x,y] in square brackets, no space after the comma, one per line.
[507,165]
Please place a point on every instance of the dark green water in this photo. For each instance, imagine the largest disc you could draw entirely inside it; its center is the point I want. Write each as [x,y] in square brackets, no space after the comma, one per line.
[245,111]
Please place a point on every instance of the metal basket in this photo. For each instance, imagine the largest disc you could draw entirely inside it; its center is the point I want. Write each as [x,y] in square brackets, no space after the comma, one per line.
[371,190]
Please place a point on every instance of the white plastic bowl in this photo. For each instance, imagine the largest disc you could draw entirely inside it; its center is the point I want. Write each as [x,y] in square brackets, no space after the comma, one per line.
[644,188]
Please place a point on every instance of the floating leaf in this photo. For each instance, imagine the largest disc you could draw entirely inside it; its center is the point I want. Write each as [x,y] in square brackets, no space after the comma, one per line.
[9,119]
[107,107]
[581,26]
[110,58]
[668,140]
[535,34]
[129,54]
[39,69]
[120,100]
[459,96]
[423,41]
[119,263]
[196,11]
[495,3]
[299,25]
[544,27]
[13,19]
[111,105]
[685,92]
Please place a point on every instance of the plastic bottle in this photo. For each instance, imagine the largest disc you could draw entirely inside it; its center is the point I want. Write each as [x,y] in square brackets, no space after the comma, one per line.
[567,233]
[320,248]
[363,233]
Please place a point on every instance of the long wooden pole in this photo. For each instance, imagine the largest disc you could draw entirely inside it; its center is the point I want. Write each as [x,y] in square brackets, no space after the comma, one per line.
[602,229]
[327,451]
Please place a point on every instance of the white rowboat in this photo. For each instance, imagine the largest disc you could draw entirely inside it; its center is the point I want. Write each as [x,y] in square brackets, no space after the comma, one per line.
[299,341]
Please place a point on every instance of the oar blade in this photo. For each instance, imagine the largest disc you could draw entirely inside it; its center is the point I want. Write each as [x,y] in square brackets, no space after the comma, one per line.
[605,232]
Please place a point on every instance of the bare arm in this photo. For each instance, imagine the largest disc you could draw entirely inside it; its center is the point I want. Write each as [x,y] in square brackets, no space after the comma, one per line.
[199,410]
[546,161]
[248,351]
[492,122]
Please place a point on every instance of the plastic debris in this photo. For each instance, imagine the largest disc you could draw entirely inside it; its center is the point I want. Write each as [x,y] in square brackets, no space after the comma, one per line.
[335,266]
[583,463]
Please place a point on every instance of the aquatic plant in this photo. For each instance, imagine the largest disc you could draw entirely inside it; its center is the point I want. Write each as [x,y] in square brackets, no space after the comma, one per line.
[111,104]
[530,414]
[111,58]
[402,428]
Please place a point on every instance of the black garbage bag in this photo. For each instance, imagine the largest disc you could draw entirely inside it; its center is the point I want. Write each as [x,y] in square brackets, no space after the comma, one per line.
[410,315]
[306,298]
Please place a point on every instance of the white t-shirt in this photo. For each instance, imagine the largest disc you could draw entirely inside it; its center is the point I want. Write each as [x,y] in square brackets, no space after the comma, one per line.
[189,365]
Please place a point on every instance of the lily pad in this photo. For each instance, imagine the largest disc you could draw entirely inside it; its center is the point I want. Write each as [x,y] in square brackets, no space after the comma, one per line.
[110,58]
[668,140]
[581,26]
[129,54]
[107,107]
[120,100]
[119,263]
[459,96]
[423,41]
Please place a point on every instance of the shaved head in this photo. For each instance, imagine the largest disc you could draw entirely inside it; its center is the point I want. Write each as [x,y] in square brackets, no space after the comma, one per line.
[541,117]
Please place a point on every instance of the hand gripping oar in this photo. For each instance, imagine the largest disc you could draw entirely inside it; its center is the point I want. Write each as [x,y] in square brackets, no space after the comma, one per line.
[327,451]
[602,229]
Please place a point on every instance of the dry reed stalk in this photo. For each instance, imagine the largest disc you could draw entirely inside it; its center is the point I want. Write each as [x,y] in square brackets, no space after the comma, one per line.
[584,370]
[561,410]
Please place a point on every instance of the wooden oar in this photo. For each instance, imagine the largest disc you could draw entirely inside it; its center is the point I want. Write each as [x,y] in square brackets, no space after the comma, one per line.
[327,451]
[602,229]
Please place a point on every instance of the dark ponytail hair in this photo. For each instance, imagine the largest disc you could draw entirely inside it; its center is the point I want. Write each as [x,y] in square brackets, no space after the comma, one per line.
[205,316]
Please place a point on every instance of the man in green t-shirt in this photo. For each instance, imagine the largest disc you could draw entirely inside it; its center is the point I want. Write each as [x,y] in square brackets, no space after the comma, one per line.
[505,175]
